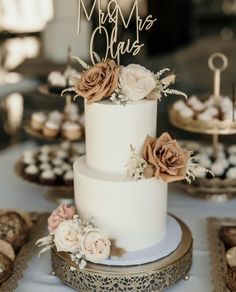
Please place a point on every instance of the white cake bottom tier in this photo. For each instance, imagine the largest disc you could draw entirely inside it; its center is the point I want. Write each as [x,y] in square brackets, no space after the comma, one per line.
[133,213]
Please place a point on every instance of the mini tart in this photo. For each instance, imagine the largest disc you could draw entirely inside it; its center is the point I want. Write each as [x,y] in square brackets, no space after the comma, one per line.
[51,129]
[37,120]
[71,131]
[7,249]
[13,229]
[6,267]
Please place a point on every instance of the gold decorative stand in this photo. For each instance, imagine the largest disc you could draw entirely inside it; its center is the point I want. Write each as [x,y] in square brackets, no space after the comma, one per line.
[151,277]
[215,190]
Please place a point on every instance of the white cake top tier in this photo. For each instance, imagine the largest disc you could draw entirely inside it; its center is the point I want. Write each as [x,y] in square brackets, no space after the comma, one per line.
[111,129]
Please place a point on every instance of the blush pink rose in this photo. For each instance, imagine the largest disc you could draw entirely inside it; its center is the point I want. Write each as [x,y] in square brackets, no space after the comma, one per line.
[62,213]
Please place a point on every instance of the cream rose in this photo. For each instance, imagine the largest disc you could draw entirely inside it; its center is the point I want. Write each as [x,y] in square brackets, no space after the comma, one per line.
[136,82]
[67,237]
[95,246]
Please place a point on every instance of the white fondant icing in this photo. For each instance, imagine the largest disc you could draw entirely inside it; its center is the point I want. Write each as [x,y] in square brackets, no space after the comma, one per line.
[131,212]
[111,129]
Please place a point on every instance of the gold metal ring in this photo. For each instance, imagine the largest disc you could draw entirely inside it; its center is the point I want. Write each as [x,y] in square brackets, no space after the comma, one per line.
[215,56]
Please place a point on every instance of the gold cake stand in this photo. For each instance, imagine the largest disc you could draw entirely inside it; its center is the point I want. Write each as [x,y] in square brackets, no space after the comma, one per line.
[151,277]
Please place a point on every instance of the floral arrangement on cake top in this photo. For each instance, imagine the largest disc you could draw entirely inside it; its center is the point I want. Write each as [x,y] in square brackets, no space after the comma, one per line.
[163,158]
[80,238]
[121,84]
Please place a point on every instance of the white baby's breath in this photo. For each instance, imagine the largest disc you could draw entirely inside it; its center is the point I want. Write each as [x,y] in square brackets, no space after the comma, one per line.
[136,166]
[195,170]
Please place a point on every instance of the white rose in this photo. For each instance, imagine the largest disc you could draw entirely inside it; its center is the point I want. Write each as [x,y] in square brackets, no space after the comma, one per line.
[136,82]
[95,246]
[67,236]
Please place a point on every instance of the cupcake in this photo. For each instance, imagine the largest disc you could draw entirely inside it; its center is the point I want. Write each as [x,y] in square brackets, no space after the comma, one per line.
[55,116]
[51,129]
[231,173]
[44,166]
[58,171]
[45,149]
[47,177]
[69,178]
[232,160]
[31,172]
[37,120]
[232,149]
[57,162]
[43,158]
[57,82]
[66,166]
[61,154]
[218,169]
[66,145]
[71,131]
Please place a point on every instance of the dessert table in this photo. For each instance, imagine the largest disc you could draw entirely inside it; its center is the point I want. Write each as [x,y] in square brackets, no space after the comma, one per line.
[15,193]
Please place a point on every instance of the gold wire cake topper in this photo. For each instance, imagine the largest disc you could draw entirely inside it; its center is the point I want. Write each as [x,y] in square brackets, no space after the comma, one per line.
[115,17]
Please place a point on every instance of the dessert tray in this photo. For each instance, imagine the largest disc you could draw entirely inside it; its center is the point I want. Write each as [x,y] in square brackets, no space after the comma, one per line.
[196,126]
[154,276]
[26,252]
[59,183]
[221,186]
[55,125]
[221,244]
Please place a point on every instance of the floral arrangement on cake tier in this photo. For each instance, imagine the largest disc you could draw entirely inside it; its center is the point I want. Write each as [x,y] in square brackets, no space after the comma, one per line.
[164,159]
[121,84]
[81,239]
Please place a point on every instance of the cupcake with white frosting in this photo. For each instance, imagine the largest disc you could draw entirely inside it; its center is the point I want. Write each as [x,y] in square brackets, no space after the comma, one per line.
[71,131]
[47,177]
[51,129]
[31,172]
[37,120]
[69,178]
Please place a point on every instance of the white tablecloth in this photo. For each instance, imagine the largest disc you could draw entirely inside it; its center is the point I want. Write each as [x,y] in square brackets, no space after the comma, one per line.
[15,193]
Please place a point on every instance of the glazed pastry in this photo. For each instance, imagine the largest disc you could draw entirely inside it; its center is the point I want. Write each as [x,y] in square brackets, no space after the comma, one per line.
[31,172]
[7,249]
[6,267]
[13,229]
[228,235]
[37,120]
[47,177]
[71,131]
[51,129]
[69,178]
[231,256]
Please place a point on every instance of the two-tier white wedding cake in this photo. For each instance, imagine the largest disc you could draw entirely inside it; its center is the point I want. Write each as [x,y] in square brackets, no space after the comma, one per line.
[131,212]
[120,113]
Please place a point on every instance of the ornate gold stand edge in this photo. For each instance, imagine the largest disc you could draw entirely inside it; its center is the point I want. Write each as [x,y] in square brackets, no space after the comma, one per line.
[218,262]
[26,252]
[151,277]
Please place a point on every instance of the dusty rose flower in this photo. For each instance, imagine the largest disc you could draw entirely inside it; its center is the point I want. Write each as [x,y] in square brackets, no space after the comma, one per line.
[168,159]
[99,81]
[95,246]
[62,213]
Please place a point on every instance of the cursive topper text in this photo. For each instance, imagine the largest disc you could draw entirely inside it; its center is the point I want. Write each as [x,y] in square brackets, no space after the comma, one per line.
[114,16]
